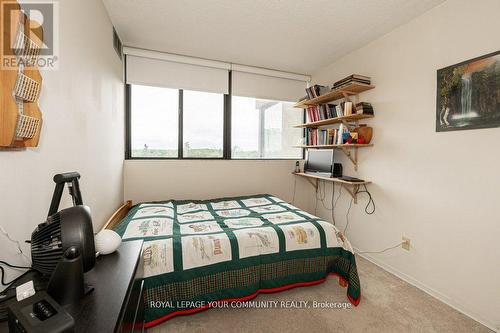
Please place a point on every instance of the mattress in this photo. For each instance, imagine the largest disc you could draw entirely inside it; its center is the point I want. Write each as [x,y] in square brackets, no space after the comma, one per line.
[198,254]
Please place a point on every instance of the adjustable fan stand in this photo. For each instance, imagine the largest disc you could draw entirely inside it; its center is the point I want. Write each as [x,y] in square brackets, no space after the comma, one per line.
[74,190]
[66,284]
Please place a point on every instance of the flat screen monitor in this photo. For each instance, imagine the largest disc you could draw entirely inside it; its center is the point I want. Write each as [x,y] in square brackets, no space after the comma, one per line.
[319,162]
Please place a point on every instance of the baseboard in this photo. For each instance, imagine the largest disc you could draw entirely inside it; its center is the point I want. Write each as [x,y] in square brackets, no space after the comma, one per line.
[430,291]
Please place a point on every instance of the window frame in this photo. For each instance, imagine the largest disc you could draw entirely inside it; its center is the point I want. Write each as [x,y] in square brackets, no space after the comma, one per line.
[226,133]
[261,137]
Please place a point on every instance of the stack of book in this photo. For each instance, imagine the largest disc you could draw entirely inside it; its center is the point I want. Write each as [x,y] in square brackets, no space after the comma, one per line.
[354,78]
[344,109]
[316,91]
[364,108]
[327,111]
[330,136]
[317,136]
[321,112]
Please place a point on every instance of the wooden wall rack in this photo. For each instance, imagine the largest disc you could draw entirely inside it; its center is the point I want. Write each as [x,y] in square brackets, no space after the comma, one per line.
[350,122]
[351,187]
[20,83]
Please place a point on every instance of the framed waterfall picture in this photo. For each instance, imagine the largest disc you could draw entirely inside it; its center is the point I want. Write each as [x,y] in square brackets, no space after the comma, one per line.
[468,94]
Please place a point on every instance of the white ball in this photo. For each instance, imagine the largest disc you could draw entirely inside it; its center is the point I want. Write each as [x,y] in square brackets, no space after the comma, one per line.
[107,241]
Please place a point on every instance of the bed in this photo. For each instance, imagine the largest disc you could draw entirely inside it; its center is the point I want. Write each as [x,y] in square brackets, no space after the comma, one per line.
[200,253]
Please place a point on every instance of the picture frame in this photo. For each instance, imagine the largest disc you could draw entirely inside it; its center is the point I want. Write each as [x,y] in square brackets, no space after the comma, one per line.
[468,94]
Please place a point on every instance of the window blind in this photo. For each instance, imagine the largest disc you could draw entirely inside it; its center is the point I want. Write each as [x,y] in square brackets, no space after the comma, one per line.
[160,69]
[177,75]
[267,87]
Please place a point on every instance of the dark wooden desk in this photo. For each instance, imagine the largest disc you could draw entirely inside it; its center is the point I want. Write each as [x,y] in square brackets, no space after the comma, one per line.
[116,304]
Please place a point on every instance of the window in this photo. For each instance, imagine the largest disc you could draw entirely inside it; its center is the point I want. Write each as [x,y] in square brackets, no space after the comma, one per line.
[264,129]
[216,110]
[154,116]
[203,124]
[154,123]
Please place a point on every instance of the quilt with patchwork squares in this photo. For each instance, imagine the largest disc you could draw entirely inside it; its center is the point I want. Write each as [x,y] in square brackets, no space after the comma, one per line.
[199,252]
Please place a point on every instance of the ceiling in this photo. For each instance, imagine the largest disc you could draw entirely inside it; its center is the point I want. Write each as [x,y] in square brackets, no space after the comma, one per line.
[298,36]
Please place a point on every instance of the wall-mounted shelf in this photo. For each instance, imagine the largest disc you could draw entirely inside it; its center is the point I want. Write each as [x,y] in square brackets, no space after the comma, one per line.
[333,121]
[351,187]
[350,121]
[344,92]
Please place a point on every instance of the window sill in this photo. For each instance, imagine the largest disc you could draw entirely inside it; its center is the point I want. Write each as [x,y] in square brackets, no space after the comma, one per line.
[210,159]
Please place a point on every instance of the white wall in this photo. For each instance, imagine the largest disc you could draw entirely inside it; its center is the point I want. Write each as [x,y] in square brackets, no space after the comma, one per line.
[439,189]
[204,179]
[82,105]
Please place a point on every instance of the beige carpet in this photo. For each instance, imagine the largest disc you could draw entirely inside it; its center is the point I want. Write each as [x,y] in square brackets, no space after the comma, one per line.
[388,304]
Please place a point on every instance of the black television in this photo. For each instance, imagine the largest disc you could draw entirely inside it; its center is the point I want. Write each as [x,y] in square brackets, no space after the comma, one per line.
[319,162]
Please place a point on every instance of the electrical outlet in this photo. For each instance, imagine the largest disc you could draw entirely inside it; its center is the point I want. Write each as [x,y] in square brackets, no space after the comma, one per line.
[405,244]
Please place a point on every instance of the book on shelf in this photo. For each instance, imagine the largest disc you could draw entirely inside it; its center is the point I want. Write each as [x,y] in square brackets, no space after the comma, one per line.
[338,109]
[316,91]
[348,108]
[329,136]
[364,108]
[340,132]
[354,78]
[327,111]
[320,112]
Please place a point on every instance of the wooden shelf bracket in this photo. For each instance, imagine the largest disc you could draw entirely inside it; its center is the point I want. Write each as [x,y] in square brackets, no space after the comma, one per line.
[314,182]
[353,193]
[353,159]
[350,126]
[351,187]
[346,95]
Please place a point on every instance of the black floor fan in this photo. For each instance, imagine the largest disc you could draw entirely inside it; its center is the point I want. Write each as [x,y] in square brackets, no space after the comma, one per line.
[63,246]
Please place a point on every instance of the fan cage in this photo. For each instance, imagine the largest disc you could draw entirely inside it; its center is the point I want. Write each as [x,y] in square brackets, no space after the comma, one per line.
[46,245]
